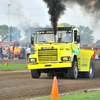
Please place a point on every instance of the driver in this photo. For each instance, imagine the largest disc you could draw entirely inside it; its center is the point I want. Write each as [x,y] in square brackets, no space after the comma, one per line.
[69,37]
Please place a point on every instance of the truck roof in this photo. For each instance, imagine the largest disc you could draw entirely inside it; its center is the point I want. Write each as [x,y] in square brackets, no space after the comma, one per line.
[58,29]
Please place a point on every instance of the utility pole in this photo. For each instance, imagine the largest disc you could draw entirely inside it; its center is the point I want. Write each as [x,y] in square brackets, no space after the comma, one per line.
[95,28]
[95,32]
[9,22]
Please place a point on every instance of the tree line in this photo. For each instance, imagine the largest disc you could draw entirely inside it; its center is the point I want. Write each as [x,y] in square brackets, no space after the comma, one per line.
[14,32]
[85,33]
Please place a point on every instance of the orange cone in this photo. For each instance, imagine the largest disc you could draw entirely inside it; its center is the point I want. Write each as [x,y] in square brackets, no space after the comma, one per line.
[6,63]
[54,92]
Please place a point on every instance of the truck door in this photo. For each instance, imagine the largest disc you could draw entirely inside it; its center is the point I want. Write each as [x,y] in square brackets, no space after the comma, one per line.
[76,44]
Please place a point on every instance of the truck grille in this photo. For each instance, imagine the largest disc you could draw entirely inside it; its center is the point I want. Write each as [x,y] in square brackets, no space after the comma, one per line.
[47,55]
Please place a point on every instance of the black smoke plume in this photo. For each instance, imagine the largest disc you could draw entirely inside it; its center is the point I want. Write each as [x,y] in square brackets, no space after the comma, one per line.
[56,9]
[91,7]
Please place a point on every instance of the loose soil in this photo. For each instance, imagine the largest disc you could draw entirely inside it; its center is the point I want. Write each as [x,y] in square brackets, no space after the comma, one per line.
[13,61]
[18,84]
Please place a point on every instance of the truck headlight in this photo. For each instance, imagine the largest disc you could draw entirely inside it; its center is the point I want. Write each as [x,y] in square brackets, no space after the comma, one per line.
[33,60]
[66,58]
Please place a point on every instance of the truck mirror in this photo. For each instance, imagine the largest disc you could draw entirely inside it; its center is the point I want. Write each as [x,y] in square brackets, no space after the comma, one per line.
[32,40]
[78,39]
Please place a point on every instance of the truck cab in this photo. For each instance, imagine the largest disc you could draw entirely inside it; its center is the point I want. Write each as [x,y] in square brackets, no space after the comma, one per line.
[55,54]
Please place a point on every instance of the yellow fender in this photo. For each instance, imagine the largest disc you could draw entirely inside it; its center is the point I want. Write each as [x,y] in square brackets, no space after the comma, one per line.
[84,60]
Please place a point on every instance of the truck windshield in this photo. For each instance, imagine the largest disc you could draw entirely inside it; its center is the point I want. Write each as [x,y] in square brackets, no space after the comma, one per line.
[48,37]
[45,37]
[64,36]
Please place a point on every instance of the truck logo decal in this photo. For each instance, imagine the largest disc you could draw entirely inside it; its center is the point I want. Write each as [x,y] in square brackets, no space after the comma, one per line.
[76,51]
[67,48]
[47,47]
[84,65]
[47,65]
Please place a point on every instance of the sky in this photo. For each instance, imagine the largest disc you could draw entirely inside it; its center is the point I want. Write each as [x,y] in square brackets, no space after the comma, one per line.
[30,13]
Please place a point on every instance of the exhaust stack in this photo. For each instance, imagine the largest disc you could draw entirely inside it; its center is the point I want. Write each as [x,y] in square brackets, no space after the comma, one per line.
[56,9]
[55,31]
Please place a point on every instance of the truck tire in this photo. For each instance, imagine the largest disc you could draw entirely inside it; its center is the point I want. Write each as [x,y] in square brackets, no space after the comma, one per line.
[50,74]
[89,74]
[73,71]
[35,73]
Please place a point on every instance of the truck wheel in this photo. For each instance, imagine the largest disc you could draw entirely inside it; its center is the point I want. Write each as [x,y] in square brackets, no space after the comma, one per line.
[50,74]
[73,71]
[89,74]
[35,73]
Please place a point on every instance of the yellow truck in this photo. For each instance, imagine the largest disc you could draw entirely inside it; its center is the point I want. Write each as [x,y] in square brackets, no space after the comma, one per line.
[59,54]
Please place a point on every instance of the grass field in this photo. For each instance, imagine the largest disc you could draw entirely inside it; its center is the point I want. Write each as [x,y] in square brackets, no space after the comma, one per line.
[13,66]
[78,96]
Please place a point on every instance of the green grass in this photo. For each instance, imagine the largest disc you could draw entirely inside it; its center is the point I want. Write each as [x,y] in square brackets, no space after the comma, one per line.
[13,66]
[78,96]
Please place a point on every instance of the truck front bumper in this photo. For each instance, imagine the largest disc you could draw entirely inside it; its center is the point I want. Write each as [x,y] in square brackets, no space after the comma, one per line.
[50,65]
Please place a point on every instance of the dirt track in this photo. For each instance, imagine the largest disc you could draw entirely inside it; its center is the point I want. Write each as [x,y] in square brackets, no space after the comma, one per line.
[14,61]
[19,84]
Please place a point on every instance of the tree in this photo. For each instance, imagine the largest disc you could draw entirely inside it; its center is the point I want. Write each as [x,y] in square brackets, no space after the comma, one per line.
[64,24]
[27,32]
[86,35]
[84,32]
[47,26]
[3,30]
[98,42]
[15,33]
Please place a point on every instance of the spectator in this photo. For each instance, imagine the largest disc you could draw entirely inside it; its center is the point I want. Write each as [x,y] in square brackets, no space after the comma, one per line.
[14,46]
[1,52]
[17,44]
[28,51]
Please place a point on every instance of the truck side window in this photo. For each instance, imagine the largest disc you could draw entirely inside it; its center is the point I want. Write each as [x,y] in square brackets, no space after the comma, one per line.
[75,35]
